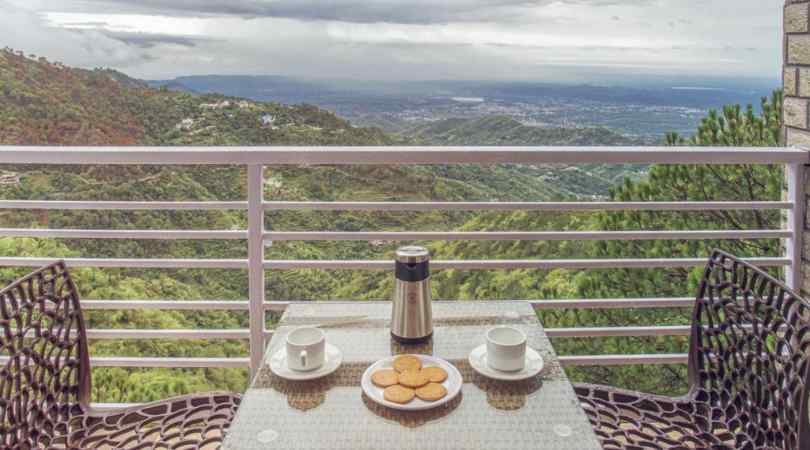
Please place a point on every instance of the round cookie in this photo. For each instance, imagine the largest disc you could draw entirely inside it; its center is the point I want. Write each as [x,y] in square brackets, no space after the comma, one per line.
[398,394]
[431,392]
[385,378]
[406,362]
[413,378]
[435,374]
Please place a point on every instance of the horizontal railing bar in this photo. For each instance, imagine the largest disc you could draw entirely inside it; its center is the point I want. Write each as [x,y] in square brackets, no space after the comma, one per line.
[118,205]
[672,330]
[240,363]
[583,332]
[202,305]
[129,263]
[619,303]
[395,206]
[280,306]
[189,305]
[642,263]
[168,362]
[399,155]
[522,235]
[528,206]
[539,305]
[166,334]
[123,234]
[394,235]
[622,360]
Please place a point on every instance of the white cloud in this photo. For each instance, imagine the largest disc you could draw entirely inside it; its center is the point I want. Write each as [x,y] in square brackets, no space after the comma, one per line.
[26,31]
[353,11]
[457,39]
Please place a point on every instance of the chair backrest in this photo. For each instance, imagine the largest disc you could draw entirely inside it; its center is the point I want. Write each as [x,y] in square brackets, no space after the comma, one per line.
[44,364]
[748,356]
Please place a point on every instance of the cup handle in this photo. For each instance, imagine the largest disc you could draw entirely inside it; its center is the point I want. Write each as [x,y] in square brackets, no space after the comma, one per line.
[303,357]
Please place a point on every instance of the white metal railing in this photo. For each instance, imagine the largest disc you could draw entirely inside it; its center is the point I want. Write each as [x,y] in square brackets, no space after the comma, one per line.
[255,158]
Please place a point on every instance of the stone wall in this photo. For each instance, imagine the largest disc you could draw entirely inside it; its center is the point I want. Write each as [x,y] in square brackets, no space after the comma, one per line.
[796,83]
[797,72]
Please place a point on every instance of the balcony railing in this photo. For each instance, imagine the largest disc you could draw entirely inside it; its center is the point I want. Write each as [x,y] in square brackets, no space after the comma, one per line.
[256,158]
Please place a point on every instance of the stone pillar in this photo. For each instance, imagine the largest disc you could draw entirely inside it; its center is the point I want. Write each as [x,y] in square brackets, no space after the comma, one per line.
[796,74]
[796,85]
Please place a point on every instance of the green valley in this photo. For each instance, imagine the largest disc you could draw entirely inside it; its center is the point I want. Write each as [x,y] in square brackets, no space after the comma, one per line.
[43,103]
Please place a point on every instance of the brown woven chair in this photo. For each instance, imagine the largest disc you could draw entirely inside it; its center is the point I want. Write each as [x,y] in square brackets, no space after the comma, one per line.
[45,382]
[748,373]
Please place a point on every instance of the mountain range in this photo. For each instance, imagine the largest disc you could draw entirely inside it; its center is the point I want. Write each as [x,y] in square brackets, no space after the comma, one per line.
[45,103]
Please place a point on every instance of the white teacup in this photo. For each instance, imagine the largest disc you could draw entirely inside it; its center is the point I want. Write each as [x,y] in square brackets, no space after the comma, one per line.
[306,349]
[506,349]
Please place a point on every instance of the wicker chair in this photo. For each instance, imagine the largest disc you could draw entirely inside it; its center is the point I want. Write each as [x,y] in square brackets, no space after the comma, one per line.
[45,382]
[748,373]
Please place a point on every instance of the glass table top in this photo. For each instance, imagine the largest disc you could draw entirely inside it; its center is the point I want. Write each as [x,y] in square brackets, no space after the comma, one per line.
[542,412]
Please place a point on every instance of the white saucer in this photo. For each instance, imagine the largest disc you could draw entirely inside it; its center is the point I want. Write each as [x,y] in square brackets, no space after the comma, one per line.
[278,364]
[478,361]
[375,393]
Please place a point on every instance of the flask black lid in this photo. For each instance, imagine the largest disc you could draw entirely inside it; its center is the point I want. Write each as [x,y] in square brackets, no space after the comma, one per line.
[412,263]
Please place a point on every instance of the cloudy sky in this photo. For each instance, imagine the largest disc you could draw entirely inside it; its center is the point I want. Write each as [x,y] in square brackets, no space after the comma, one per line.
[403,39]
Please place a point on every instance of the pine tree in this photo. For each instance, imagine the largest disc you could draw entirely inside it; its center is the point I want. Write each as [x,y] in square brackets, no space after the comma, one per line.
[731,127]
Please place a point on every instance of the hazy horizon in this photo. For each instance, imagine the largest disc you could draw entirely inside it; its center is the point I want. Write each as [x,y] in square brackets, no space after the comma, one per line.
[600,79]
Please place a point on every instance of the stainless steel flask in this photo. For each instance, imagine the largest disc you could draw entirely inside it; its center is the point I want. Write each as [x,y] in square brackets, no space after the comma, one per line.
[412,313]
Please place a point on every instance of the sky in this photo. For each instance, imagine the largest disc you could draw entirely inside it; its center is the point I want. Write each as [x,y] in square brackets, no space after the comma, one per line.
[527,40]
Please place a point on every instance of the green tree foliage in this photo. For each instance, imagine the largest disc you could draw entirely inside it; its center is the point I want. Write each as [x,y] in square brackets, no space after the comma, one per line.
[733,127]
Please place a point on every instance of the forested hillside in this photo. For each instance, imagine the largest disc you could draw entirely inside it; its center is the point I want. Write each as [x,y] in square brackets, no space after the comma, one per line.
[501,130]
[580,180]
[45,103]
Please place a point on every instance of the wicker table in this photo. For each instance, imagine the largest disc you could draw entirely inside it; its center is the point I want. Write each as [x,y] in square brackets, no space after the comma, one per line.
[333,413]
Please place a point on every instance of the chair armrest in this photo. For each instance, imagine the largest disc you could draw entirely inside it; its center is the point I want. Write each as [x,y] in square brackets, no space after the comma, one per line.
[611,394]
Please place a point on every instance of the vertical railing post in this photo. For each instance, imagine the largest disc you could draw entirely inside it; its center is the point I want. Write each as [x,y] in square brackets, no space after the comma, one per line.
[255,180]
[795,224]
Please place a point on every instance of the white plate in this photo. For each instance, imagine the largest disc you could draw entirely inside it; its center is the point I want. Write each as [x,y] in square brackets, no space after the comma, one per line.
[478,361]
[278,364]
[375,393]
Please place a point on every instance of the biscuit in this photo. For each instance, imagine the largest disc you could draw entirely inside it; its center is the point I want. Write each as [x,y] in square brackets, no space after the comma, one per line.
[407,362]
[413,378]
[385,378]
[431,392]
[398,394]
[435,374]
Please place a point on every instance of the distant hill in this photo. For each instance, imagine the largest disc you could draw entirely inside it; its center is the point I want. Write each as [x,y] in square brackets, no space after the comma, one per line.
[172,86]
[501,130]
[46,103]
[648,107]
[580,180]
[680,90]
[41,103]
[261,88]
